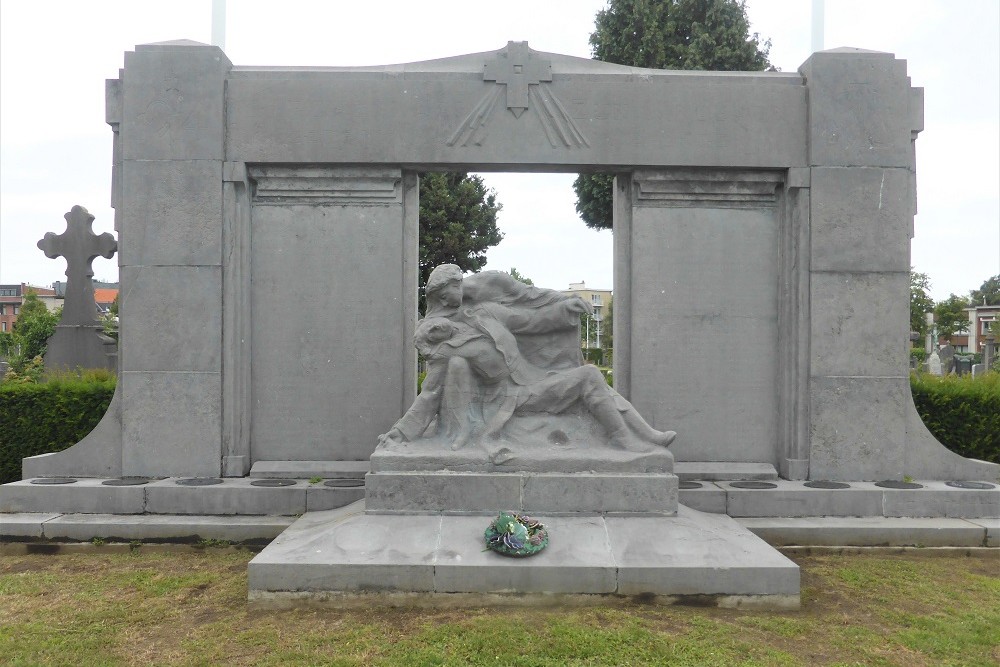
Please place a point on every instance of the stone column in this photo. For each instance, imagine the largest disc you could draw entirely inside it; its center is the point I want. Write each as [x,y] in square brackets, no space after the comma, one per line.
[169,209]
[862,118]
[697,253]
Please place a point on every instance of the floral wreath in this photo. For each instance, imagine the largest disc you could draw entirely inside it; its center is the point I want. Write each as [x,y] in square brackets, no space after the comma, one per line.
[516,535]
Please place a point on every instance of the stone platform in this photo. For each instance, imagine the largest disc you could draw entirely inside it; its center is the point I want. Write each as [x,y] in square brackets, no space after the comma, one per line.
[348,553]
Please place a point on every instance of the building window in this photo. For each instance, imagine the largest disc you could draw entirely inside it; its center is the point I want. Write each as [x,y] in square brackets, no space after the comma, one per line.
[2,307]
[3,325]
[17,310]
[595,299]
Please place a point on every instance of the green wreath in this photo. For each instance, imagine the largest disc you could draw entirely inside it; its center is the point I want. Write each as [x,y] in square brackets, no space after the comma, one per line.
[516,535]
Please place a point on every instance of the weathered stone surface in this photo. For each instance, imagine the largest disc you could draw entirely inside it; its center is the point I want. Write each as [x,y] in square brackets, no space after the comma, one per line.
[84,496]
[310,469]
[858,428]
[866,531]
[171,424]
[860,322]
[172,319]
[234,496]
[173,209]
[860,219]
[437,492]
[24,524]
[600,493]
[938,500]
[85,527]
[862,109]
[793,499]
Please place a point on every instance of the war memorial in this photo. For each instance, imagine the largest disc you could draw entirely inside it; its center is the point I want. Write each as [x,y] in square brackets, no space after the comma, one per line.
[773,210]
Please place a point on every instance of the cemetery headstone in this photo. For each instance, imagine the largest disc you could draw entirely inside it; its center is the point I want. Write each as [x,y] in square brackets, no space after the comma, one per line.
[947,356]
[78,341]
[934,363]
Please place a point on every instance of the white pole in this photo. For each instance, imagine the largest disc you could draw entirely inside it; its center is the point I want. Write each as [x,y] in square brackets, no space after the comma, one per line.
[219,24]
[818,14]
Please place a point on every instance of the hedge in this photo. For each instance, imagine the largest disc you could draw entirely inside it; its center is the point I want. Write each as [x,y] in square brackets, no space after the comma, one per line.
[962,412]
[47,417]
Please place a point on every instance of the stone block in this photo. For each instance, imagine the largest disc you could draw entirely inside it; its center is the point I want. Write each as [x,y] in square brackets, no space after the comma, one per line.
[173,213]
[171,424]
[87,496]
[860,219]
[174,102]
[232,496]
[792,499]
[23,524]
[171,319]
[600,493]
[858,428]
[860,322]
[578,564]
[442,491]
[865,532]
[696,553]
[722,470]
[84,527]
[861,109]
[319,497]
[937,499]
[710,498]
[350,552]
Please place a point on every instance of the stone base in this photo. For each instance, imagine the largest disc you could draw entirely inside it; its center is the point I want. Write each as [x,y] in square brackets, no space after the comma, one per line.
[510,456]
[692,555]
[523,492]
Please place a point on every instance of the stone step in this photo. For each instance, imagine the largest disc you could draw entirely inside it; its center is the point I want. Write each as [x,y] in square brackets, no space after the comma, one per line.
[874,531]
[230,496]
[724,470]
[349,552]
[151,527]
[310,469]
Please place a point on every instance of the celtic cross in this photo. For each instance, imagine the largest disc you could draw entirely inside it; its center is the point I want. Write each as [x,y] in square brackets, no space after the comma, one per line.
[517,67]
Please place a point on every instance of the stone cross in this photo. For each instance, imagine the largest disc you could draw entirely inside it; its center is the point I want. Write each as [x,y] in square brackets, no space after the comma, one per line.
[80,246]
[517,67]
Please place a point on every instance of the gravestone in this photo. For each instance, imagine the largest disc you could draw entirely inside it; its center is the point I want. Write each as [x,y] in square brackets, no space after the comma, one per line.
[934,366]
[79,340]
[947,356]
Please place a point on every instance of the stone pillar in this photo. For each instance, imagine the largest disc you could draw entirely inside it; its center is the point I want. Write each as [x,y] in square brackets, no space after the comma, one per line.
[169,210]
[698,255]
[863,115]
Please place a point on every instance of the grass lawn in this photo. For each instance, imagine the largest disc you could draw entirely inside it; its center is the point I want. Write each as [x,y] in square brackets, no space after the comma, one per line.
[189,607]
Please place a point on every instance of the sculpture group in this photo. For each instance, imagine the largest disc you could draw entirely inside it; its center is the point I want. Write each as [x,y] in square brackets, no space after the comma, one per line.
[500,354]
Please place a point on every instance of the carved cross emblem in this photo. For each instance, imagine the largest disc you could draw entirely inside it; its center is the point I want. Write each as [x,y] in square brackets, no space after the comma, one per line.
[517,67]
[80,246]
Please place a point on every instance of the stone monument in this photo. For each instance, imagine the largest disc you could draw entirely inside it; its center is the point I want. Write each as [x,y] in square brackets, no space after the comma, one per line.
[79,340]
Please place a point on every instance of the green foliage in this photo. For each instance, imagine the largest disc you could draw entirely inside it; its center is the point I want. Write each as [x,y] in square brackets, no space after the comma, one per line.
[962,412]
[918,353]
[516,275]
[951,317]
[594,355]
[988,293]
[109,321]
[458,222]
[667,34]
[920,301]
[32,329]
[36,418]
[6,343]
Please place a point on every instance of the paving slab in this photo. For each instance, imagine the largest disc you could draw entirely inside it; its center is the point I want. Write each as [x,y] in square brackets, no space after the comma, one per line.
[866,531]
[87,495]
[85,527]
[349,551]
[24,524]
[696,553]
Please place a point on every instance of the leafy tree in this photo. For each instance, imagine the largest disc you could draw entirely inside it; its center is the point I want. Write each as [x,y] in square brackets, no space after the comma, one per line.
[516,275]
[6,343]
[667,34]
[951,317]
[988,293]
[31,331]
[458,222]
[920,301]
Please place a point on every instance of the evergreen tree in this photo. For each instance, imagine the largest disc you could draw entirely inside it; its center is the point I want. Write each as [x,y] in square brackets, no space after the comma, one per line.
[667,34]
[458,223]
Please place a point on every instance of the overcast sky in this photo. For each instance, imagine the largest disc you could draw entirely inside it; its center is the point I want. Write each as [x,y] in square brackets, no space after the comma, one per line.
[55,149]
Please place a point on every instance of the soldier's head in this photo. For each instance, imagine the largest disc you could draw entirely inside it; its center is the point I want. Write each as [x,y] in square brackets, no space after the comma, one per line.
[444,287]
[431,332]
